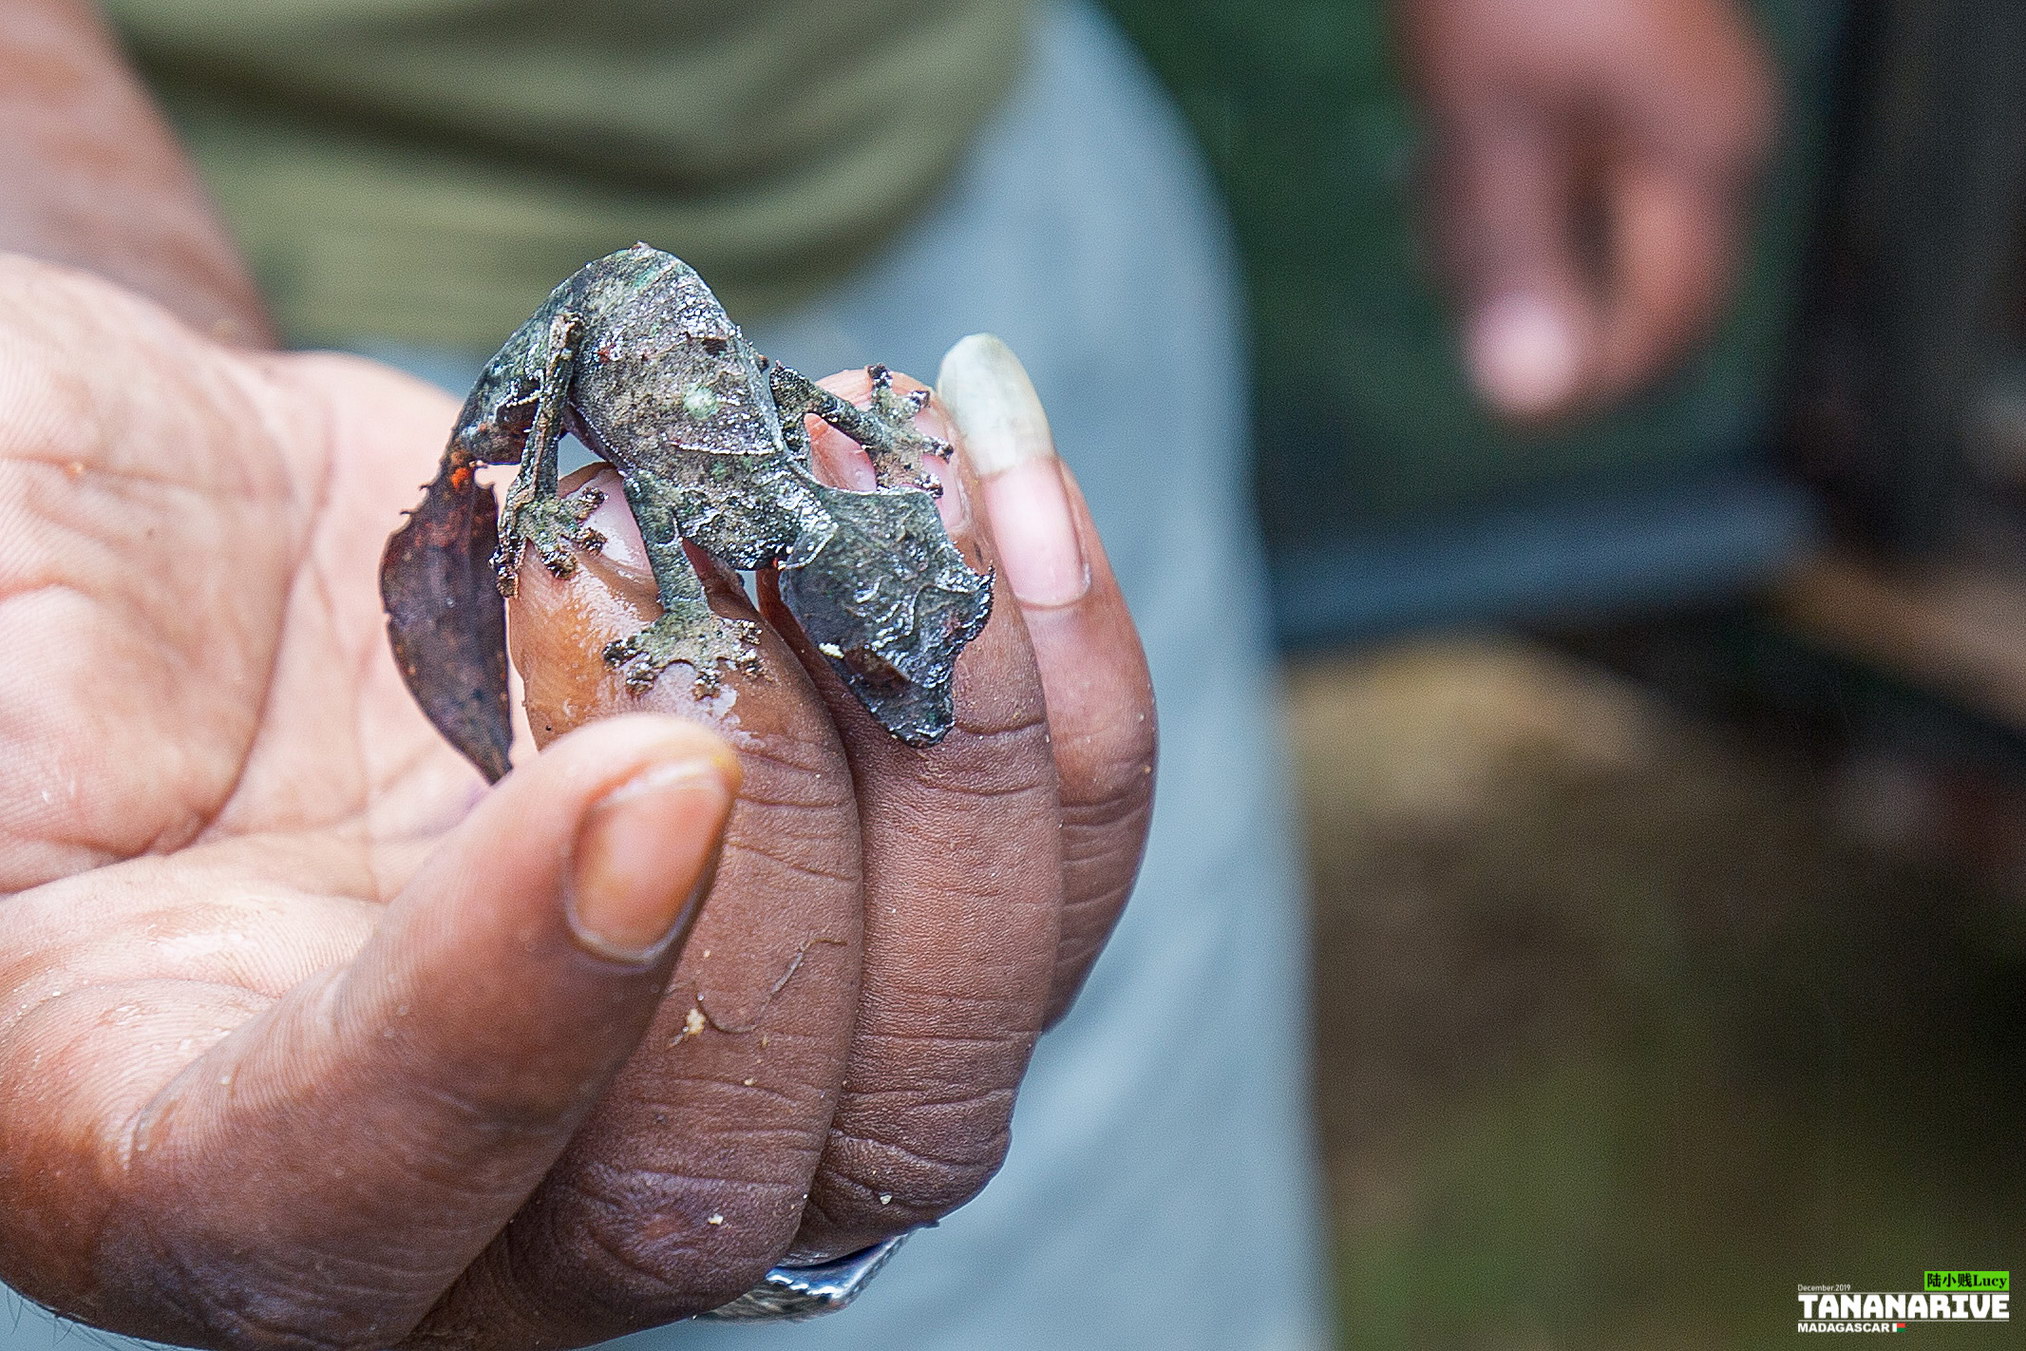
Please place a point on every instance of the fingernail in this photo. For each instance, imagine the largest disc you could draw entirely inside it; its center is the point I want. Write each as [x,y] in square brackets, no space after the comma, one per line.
[1005,436]
[643,858]
[1522,353]
[613,519]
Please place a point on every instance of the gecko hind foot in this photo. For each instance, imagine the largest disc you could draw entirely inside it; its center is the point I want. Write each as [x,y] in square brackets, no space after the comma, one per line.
[698,637]
[552,525]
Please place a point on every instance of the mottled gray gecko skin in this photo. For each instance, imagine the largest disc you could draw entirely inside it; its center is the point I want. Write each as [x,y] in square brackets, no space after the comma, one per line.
[635,356]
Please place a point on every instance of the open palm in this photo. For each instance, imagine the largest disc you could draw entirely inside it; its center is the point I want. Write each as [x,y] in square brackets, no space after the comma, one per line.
[307,1038]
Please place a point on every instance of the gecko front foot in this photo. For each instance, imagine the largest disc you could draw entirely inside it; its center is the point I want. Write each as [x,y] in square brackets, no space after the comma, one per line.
[693,634]
[897,455]
[552,525]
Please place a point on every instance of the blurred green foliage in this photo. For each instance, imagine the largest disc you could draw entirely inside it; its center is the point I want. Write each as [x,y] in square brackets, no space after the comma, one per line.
[1363,417]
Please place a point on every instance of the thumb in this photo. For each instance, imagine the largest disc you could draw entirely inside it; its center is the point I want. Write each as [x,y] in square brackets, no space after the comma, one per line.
[1506,195]
[331,1167]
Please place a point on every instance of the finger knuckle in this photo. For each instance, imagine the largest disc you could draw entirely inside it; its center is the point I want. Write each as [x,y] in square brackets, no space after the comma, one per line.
[1101,823]
[662,1246]
[663,1277]
[902,1176]
[993,746]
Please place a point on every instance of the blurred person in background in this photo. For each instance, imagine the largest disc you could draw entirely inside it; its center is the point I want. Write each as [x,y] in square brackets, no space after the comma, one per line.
[408,178]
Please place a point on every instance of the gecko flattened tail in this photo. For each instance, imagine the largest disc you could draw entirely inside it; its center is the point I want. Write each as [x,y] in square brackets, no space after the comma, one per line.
[890,602]
[445,616]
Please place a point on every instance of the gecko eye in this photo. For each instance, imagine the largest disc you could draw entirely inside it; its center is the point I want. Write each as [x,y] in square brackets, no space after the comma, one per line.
[511,419]
[495,434]
[716,346]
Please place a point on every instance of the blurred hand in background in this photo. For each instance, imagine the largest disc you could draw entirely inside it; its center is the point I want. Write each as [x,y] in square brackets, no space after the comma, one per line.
[1591,167]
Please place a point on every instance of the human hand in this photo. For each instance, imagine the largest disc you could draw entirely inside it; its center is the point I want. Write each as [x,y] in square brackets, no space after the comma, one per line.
[1590,172]
[305,1037]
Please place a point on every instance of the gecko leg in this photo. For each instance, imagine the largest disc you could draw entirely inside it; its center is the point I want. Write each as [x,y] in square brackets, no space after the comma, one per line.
[886,429]
[688,630]
[534,513]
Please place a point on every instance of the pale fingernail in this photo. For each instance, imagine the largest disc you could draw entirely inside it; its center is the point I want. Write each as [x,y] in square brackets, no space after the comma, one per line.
[643,858]
[837,459]
[1522,353]
[1005,435]
[613,519]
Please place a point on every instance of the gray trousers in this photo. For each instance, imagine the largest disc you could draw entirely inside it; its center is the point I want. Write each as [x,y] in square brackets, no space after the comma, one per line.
[1161,1191]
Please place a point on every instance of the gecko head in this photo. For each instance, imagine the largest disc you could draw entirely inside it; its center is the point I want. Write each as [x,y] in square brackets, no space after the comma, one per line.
[496,436]
[494,422]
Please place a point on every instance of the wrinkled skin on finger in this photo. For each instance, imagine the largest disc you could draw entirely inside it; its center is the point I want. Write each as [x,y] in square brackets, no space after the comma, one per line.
[301,1039]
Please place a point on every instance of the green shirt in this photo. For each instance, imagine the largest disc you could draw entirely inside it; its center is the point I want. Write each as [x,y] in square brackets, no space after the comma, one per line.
[425,170]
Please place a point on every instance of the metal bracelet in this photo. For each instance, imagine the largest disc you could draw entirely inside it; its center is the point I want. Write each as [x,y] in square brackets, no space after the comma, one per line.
[793,1294]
